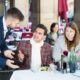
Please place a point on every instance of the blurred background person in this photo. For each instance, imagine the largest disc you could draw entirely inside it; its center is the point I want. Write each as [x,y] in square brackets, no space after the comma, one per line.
[53,35]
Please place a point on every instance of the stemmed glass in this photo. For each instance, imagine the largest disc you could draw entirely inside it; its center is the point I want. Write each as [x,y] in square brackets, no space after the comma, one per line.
[64,64]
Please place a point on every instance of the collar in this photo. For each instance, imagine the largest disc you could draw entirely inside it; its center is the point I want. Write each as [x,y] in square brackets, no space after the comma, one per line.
[35,43]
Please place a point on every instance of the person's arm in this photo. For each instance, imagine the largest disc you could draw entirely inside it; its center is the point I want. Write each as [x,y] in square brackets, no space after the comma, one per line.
[21,56]
[3,46]
[2,62]
[50,60]
[7,62]
[49,57]
[22,47]
[57,49]
[4,49]
[77,50]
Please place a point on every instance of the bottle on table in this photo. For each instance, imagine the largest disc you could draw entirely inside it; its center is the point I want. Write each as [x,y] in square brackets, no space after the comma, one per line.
[72,62]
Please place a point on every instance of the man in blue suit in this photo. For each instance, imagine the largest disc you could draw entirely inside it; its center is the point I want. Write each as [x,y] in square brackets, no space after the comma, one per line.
[11,19]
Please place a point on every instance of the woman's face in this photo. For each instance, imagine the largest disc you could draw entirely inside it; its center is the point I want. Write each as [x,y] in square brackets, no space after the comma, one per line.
[70,33]
[55,29]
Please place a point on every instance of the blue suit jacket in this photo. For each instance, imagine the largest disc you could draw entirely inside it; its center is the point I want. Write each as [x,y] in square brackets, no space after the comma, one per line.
[3,45]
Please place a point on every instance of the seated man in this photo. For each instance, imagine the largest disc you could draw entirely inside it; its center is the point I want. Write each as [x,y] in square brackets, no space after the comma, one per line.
[37,52]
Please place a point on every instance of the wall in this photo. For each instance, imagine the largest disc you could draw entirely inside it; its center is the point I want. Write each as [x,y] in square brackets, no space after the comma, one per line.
[23,6]
[49,12]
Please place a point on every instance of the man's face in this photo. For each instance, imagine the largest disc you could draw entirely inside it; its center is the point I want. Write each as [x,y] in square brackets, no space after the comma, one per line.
[14,23]
[38,35]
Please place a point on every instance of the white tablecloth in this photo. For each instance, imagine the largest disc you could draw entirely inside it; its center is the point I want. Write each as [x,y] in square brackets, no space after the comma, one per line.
[44,75]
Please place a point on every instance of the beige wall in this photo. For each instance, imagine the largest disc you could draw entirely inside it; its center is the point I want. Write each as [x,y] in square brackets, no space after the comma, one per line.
[48,9]
[1,9]
[23,6]
[49,12]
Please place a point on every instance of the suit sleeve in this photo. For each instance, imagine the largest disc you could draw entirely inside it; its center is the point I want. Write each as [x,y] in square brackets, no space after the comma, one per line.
[49,57]
[4,47]
[2,62]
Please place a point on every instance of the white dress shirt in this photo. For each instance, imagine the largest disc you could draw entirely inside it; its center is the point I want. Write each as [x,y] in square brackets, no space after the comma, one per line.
[5,27]
[36,55]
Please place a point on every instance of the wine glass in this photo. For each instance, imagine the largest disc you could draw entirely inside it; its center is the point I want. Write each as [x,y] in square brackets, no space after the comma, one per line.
[65,53]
